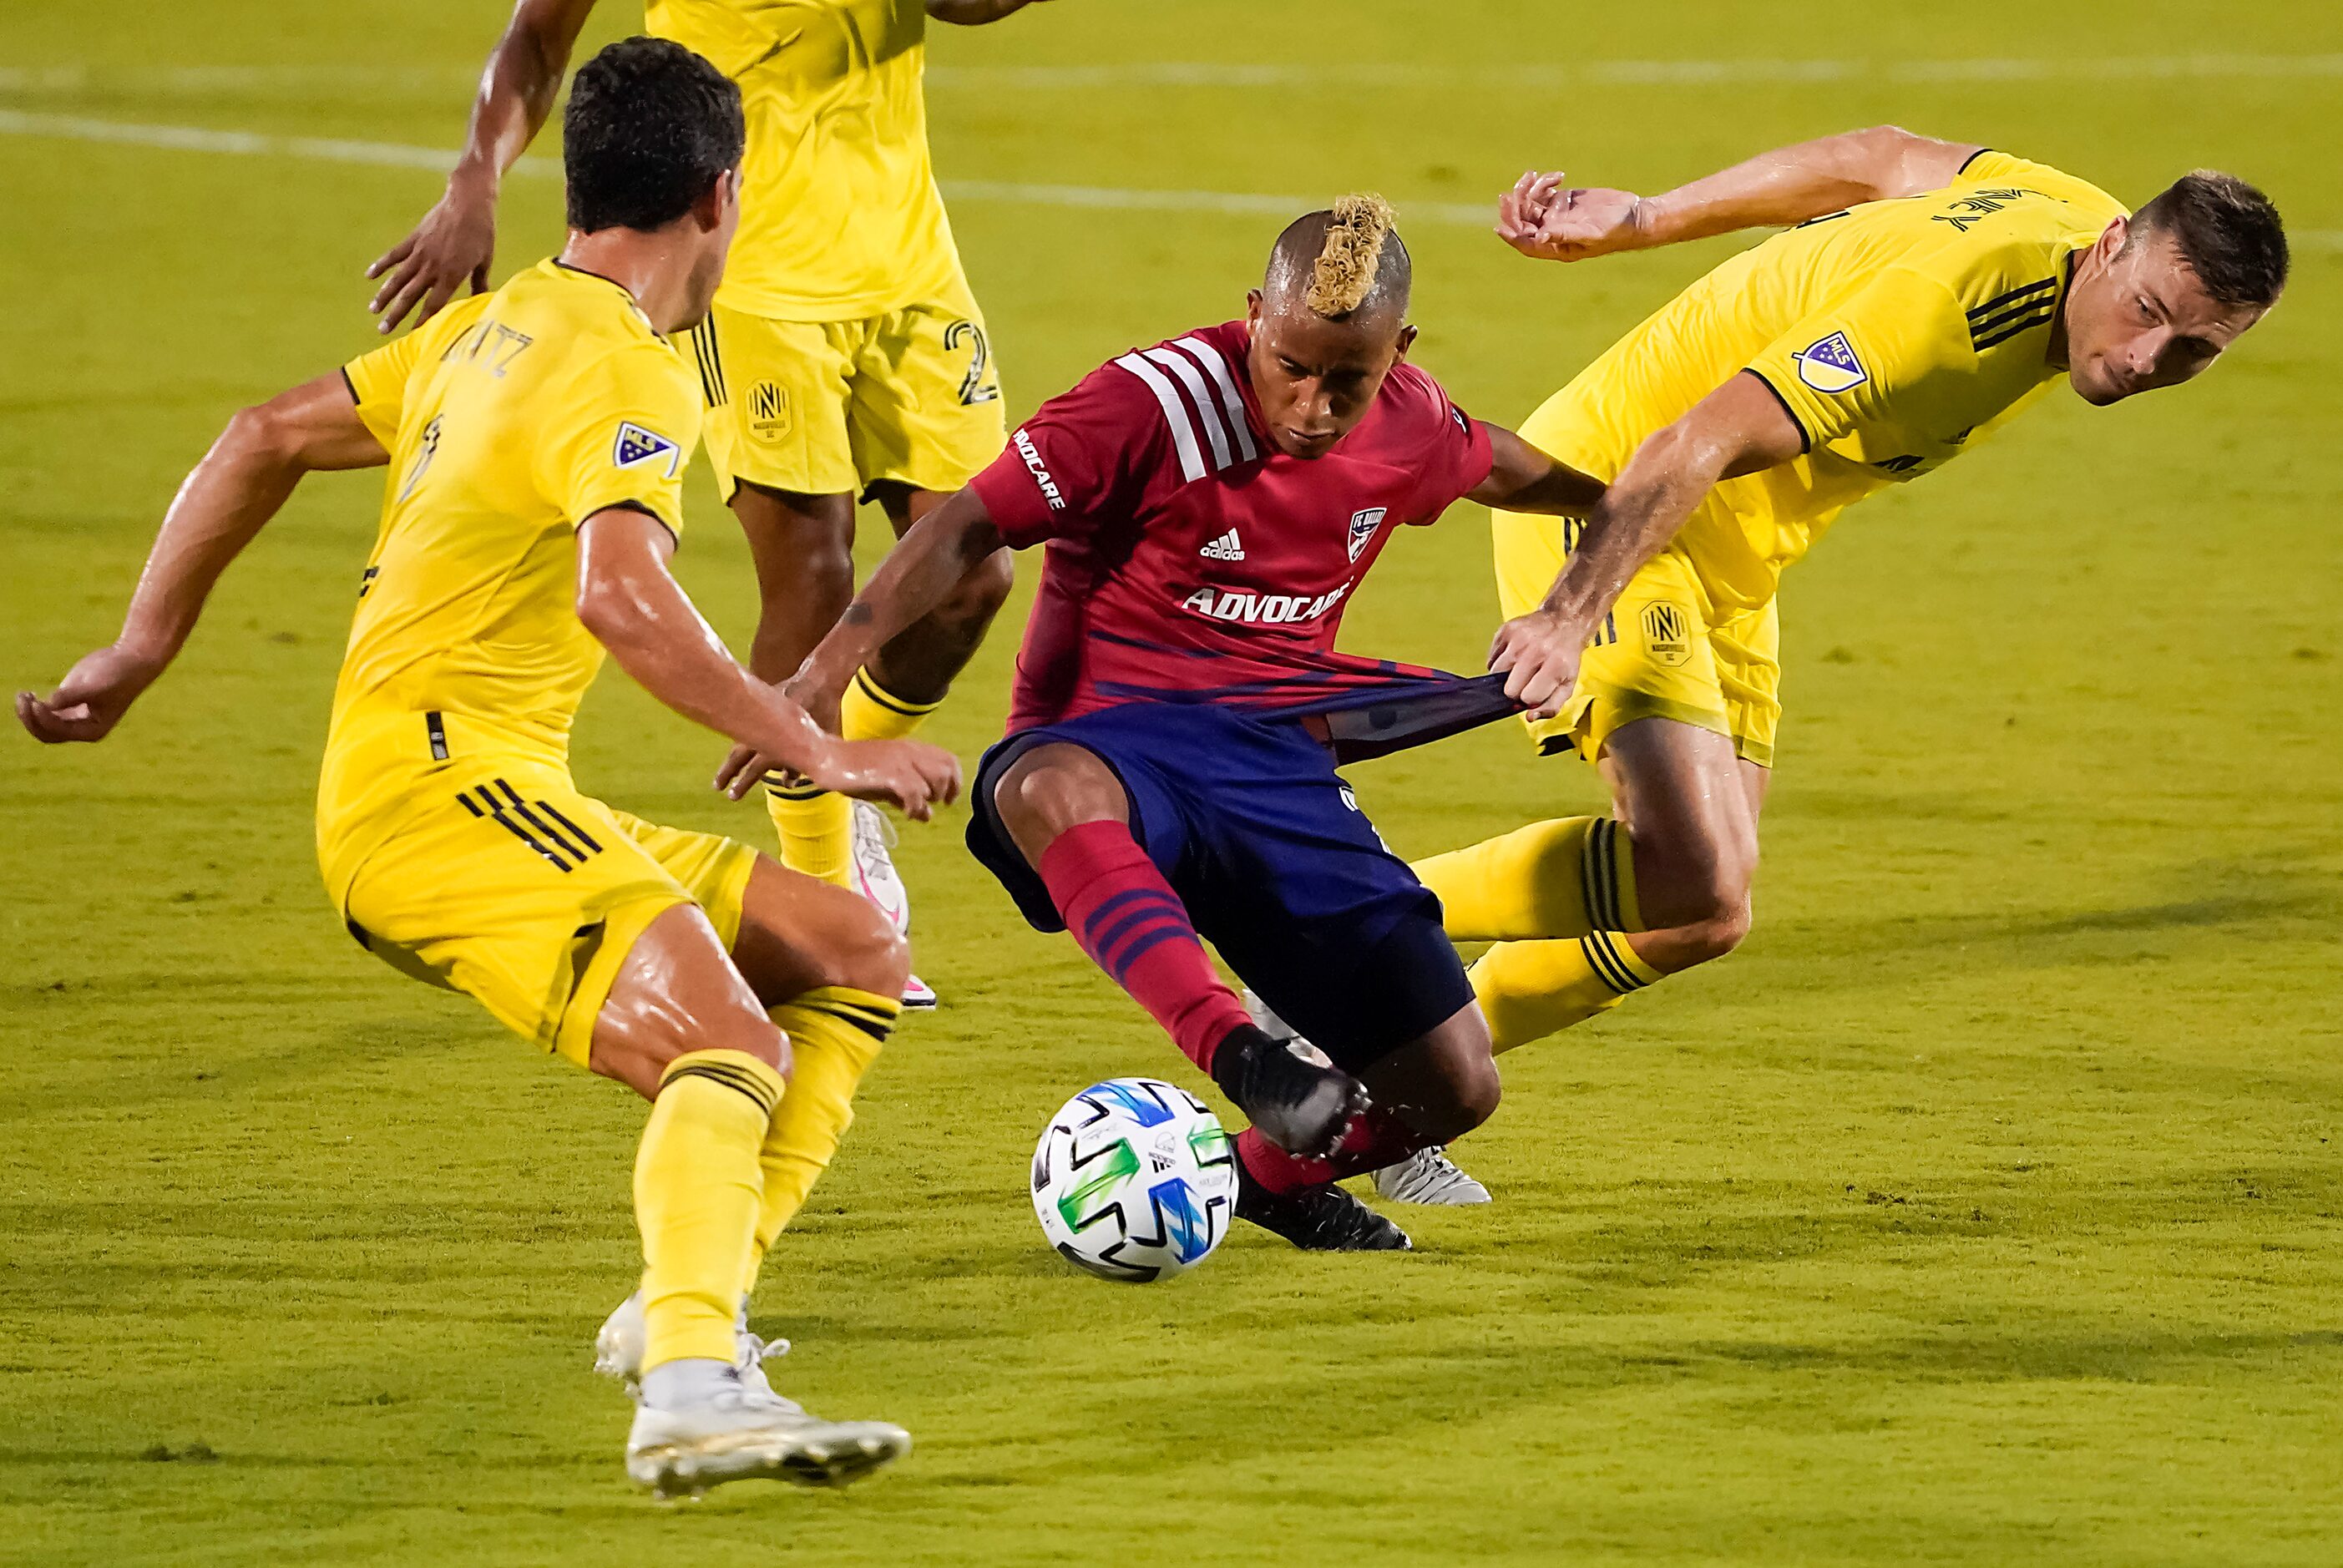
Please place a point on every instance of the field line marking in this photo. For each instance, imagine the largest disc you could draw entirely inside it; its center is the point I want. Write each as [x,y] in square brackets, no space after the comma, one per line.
[403,155]
[228,79]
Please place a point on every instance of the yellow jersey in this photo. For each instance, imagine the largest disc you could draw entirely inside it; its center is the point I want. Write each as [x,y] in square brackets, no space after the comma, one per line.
[839,215]
[511,419]
[1896,333]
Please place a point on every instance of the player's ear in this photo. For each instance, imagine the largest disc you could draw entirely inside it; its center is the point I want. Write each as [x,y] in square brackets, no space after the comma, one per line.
[1253,308]
[711,210]
[1406,337]
[2112,238]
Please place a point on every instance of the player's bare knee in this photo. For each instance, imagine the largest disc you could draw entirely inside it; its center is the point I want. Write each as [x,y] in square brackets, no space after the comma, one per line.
[1053,788]
[1710,940]
[1461,1096]
[1474,1096]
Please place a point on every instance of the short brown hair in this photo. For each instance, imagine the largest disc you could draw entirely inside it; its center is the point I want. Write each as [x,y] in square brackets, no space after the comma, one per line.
[2226,231]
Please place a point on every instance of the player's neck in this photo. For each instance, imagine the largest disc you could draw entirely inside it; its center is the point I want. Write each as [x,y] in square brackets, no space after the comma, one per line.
[656,267]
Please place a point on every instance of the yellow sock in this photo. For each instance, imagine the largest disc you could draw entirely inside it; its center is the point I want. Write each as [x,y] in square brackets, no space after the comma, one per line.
[1559,879]
[815,826]
[1528,990]
[698,1188]
[868,711]
[835,1033]
[815,829]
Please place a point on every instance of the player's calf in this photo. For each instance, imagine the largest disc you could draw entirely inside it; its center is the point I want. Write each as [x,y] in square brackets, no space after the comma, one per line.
[799,934]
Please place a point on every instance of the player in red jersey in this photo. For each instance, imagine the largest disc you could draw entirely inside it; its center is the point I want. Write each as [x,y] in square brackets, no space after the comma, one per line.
[1208,506]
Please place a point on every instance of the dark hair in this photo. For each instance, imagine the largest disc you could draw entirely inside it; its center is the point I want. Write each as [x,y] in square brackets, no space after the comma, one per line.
[2226,231]
[649,130]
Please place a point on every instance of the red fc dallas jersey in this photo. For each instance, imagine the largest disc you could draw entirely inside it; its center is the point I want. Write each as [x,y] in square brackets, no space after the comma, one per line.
[1190,560]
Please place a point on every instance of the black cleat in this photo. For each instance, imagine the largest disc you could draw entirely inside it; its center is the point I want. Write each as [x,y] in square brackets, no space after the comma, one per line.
[1318,1219]
[1299,1103]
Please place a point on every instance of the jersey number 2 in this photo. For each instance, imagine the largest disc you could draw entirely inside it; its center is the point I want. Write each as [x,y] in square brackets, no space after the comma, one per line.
[976,386]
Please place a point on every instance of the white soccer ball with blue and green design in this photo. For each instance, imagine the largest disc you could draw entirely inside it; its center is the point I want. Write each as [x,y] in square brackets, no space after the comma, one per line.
[1134,1180]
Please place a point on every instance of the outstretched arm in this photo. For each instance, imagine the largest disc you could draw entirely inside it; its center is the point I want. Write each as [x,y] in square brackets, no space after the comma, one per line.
[223,505]
[1739,429]
[1524,479]
[1541,217]
[918,575]
[457,240]
[635,608]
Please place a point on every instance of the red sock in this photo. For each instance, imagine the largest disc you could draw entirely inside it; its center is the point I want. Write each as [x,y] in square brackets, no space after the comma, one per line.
[1126,917]
[1374,1141]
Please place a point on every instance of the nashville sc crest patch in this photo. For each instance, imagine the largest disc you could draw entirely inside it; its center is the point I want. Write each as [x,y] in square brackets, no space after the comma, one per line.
[1830,366]
[637,446]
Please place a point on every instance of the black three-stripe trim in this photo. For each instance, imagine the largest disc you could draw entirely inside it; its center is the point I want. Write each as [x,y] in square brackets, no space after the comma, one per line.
[1999,300]
[2006,314]
[1599,875]
[2043,317]
[1606,964]
[574,830]
[876,1028]
[564,855]
[712,365]
[732,1077]
[539,823]
[891,704]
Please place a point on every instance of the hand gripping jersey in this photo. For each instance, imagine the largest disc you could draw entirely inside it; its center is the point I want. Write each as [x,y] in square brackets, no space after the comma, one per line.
[1190,561]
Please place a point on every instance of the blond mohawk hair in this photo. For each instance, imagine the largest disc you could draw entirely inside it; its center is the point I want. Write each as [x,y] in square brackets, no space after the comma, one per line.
[1344,272]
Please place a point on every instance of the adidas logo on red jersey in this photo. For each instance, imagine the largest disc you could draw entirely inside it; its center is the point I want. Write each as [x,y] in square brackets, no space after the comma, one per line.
[1227,547]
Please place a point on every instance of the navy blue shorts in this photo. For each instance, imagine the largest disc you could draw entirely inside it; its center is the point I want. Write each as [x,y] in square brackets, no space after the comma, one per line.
[1278,866]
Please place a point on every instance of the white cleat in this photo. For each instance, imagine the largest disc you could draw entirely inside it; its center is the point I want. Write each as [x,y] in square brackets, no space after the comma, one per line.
[1429,1176]
[1426,1176]
[874,865]
[618,1349]
[876,879]
[739,1435]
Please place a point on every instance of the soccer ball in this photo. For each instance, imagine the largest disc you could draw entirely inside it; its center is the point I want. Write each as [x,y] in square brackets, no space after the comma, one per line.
[1134,1180]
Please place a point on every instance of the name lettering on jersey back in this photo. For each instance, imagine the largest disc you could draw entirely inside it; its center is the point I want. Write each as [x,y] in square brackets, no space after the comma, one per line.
[490,344]
[1969,209]
[1246,609]
[1039,471]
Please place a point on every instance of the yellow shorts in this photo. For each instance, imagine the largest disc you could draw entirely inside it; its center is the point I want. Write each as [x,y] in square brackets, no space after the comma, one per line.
[502,881]
[1664,651]
[831,407]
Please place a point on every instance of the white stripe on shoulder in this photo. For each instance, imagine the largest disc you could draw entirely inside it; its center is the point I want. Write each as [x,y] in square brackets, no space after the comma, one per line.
[1233,406]
[1175,413]
[1208,413]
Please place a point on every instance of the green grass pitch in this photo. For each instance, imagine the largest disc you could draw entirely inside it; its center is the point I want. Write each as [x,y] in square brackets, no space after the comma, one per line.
[1983,1210]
